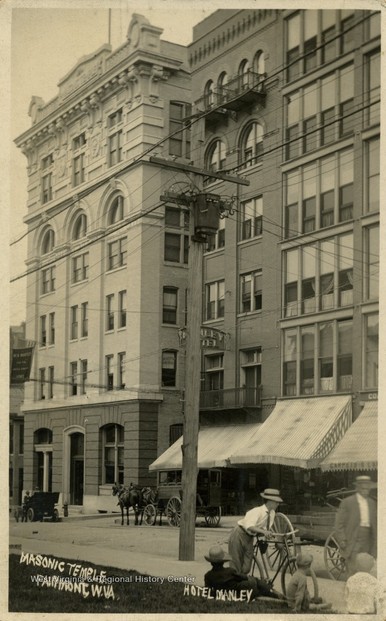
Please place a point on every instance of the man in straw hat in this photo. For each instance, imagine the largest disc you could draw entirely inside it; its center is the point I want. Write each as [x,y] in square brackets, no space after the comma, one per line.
[356,524]
[221,578]
[256,521]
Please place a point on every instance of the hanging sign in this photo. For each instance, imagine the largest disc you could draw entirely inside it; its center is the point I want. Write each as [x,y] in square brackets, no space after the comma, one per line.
[21,365]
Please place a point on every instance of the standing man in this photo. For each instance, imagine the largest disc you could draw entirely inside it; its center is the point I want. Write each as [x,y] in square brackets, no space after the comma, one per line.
[356,524]
[256,521]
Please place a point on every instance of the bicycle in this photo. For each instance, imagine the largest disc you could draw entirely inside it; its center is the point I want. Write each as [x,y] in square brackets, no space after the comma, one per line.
[285,561]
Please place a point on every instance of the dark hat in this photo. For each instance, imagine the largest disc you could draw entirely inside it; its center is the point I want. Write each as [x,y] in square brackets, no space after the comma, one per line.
[217,555]
[271,494]
[304,560]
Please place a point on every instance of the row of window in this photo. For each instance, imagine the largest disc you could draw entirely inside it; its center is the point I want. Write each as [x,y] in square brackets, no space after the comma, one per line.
[250,149]
[115,373]
[315,37]
[115,214]
[321,193]
[248,75]
[318,358]
[250,295]
[323,111]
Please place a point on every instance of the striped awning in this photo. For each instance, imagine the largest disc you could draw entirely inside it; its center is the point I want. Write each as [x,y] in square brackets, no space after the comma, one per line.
[299,432]
[215,445]
[358,448]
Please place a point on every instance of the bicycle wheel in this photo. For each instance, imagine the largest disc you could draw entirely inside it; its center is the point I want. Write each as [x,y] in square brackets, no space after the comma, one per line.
[276,549]
[333,560]
[257,568]
[289,569]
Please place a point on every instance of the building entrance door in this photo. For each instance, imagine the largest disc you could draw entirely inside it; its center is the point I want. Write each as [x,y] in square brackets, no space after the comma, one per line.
[77,469]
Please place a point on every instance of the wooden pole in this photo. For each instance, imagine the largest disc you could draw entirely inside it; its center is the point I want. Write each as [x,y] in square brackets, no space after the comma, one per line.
[192,399]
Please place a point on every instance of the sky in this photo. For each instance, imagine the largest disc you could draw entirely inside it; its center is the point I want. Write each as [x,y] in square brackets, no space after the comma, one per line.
[44,45]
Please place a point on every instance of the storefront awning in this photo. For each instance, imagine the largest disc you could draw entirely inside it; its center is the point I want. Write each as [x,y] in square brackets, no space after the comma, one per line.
[215,445]
[358,448]
[299,432]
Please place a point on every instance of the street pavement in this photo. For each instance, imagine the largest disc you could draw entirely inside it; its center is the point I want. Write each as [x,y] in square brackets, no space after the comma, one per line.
[152,550]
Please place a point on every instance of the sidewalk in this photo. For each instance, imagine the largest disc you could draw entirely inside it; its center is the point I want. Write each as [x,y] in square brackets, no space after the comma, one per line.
[158,562]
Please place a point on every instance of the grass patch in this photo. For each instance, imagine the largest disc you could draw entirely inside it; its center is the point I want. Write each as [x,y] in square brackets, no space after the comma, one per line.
[130,595]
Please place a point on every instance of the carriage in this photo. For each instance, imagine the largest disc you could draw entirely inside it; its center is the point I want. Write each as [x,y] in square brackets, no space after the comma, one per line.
[41,505]
[166,499]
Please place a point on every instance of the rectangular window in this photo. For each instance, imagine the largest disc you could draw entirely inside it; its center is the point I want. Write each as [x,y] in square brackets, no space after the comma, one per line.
[121,370]
[78,169]
[372,172]
[172,217]
[346,262]
[83,376]
[73,379]
[214,294]
[293,47]
[328,35]
[48,280]
[47,188]
[371,258]
[169,368]
[21,439]
[346,28]
[214,378]
[251,292]
[122,309]
[252,218]
[308,279]
[307,367]
[309,198]
[326,270]
[117,253]
[51,372]
[344,361]
[326,360]
[176,248]
[169,306]
[327,189]
[80,268]
[115,138]
[289,363]
[179,142]
[51,339]
[109,372]
[43,331]
[371,351]
[42,383]
[110,312]
[346,183]
[84,319]
[291,286]
[74,323]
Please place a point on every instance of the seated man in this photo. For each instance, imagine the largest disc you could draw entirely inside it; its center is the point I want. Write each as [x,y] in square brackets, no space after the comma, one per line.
[221,578]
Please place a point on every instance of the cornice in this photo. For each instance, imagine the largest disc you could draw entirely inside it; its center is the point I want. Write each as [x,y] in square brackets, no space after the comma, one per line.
[89,97]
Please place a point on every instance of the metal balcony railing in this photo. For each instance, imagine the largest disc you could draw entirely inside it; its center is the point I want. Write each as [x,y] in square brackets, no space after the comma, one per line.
[230,398]
[242,90]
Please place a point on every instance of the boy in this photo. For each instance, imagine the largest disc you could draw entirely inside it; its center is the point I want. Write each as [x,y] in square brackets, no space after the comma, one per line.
[362,588]
[298,595]
[221,578]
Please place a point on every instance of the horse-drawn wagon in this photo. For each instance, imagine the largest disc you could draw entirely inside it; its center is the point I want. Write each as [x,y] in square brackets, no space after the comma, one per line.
[41,505]
[167,499]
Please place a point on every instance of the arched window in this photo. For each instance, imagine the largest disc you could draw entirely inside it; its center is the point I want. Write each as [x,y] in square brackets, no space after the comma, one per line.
[209,94]
[221,85]
[80,227]
[216,156]
[243,73]
[259,63]
[252,144]
[48,241]
[116,210]
[113,446]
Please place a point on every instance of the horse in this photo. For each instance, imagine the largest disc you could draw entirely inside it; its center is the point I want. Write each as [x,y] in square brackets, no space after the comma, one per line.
[128,497]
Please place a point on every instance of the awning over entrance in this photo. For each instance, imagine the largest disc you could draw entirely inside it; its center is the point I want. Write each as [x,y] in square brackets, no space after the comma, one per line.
[299,432]
[358,448]
[215,445]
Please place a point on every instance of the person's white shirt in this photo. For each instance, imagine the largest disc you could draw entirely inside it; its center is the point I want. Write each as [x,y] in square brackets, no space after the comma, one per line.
[363,510]
[257,518]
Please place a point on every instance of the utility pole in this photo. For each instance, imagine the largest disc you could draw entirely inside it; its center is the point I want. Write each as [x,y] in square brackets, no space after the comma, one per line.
[206,210]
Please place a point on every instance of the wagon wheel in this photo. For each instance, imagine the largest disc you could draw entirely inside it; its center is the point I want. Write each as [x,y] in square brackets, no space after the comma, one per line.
[149,515]
[30,515]
[333,560]
[213,516]
[173,511]
[276,548]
